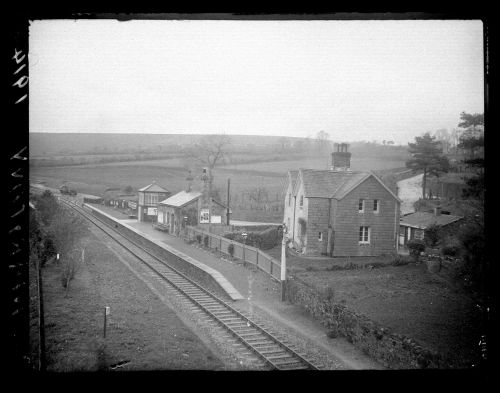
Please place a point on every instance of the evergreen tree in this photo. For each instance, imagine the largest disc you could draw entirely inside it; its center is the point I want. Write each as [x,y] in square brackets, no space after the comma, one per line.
[427,155]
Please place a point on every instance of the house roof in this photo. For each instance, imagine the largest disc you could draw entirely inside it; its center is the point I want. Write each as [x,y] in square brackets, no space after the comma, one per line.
[153,187]
[423,220]
[333,184]
[181,199]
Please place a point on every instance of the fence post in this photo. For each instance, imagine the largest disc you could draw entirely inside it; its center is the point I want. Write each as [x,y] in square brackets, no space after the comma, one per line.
[244,260]
[257,258]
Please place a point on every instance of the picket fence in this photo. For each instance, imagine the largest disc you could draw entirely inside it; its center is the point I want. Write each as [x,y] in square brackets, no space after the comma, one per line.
[247,254]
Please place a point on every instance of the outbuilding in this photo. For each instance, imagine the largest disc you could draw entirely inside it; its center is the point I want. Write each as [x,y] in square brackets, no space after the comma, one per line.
[413,225]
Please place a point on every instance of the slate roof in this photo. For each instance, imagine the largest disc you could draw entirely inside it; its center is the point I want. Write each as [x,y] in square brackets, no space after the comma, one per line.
[153,187]
[423,220]
[181,199]
[333,184]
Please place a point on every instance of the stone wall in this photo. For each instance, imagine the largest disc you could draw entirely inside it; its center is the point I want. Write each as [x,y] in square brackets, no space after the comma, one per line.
[392,350]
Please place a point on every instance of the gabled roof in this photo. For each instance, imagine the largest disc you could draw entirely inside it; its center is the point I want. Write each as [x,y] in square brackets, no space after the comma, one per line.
[153,187]
[423,220]
[332,184]
[181,199]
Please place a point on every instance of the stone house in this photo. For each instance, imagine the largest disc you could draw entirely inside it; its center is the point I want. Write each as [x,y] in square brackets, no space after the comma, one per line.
[339,212]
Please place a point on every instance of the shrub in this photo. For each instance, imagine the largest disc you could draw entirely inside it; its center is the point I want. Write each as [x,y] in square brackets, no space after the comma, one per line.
[400,261]
[198,238]
[450,250]
[268,238]
[416,246]
[432,235]
[329,294]
[230,250]
[206,240]
[310,269]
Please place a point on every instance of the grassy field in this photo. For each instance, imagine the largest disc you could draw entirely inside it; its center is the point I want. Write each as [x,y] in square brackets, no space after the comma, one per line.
[252,163]
[428,307]
[141,329]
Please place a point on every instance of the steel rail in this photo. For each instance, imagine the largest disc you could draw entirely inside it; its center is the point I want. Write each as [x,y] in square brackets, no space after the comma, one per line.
[206,300]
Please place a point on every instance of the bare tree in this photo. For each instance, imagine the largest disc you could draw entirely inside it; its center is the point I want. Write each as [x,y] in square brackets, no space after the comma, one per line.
[258,194]
[322,140]
[210,151]
[66,231]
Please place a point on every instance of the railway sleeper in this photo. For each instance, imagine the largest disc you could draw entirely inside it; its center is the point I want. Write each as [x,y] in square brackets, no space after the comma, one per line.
[271,351]
[291,367]
[285,356]
[240,327]
[258,341]
[286,361]
[227,320]
[245,333]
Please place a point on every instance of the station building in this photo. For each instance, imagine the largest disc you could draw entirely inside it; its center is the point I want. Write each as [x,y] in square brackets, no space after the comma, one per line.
[149,197]
[193,208]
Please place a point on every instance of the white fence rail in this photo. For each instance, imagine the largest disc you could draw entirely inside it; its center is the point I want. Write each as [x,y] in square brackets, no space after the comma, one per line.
[247,254]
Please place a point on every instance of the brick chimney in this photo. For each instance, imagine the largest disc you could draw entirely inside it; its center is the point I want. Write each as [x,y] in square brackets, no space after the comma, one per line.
[189,180]
[341,158]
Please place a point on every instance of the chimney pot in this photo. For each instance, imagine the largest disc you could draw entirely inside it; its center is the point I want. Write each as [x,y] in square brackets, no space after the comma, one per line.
[341,158]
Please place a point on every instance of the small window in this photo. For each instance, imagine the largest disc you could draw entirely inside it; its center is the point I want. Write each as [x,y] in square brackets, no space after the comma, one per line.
[375,205]
[364,235]
[361,205]
[320,236]
[301,200]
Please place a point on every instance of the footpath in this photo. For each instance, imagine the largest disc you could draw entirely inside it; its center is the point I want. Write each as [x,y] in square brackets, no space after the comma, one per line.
[262,297]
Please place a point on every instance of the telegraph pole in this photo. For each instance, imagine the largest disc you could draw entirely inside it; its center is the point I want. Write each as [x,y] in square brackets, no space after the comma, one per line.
[227,212]
[283,264]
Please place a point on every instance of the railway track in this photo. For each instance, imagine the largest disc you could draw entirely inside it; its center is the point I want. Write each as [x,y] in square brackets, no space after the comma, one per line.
[267,347]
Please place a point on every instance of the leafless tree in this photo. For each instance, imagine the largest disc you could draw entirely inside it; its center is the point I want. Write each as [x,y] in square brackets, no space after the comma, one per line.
[210,151]
[258,194]
[322,140]
[66,231]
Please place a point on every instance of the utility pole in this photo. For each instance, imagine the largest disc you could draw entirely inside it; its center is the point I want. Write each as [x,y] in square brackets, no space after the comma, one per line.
[227,212]
[283,263]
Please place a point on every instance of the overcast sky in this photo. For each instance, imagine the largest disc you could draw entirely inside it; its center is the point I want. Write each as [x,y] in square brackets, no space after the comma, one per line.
[356,80]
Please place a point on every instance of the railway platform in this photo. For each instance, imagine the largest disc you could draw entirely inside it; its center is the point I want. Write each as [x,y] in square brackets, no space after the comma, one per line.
[262,297]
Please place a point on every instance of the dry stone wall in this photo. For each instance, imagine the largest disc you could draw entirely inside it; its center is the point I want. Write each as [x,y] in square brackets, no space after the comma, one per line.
[394,351]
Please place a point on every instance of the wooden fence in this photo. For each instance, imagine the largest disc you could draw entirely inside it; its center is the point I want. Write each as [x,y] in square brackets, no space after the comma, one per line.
[247,254]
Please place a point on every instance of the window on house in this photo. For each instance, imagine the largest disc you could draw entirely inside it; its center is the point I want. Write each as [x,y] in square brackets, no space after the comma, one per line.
[375,205]
[364,235]
[320,236]
[301,200]
[361,205]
